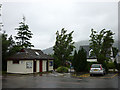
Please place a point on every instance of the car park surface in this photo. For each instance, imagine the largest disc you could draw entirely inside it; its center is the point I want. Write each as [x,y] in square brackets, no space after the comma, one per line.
[58,80]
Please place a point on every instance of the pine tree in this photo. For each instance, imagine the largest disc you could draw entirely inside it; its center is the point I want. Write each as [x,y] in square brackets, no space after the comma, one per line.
[80,61]
[74,61]
[83,60]
[23,35]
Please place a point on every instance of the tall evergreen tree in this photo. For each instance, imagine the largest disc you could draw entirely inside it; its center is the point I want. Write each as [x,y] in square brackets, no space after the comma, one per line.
[23,35]
[83,59]
[63,46]
[80,61]
[115,51]
[74,61]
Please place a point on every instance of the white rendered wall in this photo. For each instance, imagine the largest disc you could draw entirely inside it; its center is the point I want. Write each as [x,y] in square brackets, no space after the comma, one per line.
[37,65]
[44,65]
[118,57]
[19,68]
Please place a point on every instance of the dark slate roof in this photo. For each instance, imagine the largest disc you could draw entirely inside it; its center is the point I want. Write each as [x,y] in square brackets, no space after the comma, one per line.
[30,54]
[87,49]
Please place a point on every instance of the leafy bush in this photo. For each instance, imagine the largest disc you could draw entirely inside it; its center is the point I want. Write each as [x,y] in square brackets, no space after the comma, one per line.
[89,65]
[111,65]
[67,65]
[62,69]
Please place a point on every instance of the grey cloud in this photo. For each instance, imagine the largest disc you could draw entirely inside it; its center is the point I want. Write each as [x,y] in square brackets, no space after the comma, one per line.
[44,19]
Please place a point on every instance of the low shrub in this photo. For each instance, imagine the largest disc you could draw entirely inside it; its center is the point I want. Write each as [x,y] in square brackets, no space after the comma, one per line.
[111,65]
[62,69]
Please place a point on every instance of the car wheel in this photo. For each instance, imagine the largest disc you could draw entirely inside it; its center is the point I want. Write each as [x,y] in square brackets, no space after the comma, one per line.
[91,74]
[103,74]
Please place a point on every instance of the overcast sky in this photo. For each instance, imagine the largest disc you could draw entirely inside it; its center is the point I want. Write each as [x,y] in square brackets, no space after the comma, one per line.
[45,18]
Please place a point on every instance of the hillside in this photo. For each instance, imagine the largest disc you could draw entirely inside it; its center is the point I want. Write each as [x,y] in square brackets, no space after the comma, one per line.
[77,45]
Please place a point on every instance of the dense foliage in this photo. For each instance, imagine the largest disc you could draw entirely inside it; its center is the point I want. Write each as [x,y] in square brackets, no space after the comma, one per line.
[111,65]
[115,51]
[80,61]
[101,44]
[63,47]
[8,48]
[62,69]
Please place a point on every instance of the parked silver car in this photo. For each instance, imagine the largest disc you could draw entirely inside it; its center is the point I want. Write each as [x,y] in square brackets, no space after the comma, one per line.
[97,69]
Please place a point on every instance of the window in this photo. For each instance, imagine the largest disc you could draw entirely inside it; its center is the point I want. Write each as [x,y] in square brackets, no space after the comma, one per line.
[118,53]
[28,64]
[90,52]
[22,62]
[37,53]
[95,66]
[51,63]
[16,62]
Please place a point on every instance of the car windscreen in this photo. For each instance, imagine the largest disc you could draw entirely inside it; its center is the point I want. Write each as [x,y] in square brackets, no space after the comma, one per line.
[95,66]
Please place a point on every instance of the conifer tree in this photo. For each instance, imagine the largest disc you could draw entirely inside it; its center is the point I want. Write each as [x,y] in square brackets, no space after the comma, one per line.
[24,35]
[80,61]
[74,61]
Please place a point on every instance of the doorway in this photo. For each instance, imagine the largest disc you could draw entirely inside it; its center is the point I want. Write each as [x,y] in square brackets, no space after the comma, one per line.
[47,66]
[34,66]
[40,69]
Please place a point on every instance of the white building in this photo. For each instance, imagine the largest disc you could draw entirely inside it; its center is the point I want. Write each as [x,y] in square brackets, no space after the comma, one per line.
[118,57]
[93,58]
[29,61]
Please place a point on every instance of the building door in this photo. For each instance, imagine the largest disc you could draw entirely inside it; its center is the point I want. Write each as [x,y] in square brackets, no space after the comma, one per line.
[40,66]
[47,66]
[34,66]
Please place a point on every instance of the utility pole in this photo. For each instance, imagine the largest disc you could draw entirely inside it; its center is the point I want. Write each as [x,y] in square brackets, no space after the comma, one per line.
[1,25]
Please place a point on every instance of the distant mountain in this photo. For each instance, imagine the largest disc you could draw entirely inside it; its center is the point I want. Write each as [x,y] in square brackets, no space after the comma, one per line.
[48,50]
[77,45]
[81,43]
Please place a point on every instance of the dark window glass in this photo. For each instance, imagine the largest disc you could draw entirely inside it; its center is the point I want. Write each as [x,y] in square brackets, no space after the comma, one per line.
[16,62]
[95,66]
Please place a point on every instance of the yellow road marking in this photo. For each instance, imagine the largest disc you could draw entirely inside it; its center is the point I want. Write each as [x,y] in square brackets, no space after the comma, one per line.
[111,76]
[84,75]
[87,75]
[114,75]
